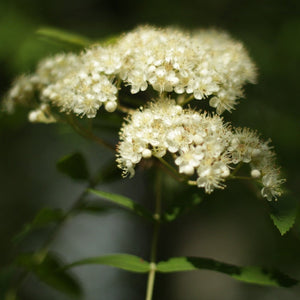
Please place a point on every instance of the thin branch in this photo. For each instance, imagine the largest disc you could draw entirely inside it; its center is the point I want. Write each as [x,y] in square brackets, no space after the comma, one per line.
[153,254]
[239,177]
[89,134]
[187,100]
[125,109]
[44,249]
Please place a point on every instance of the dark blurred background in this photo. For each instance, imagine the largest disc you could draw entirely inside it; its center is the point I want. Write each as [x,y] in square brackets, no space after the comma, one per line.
[231,226]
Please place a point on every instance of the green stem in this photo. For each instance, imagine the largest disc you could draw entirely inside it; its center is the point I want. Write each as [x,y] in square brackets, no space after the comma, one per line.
[173,171]
[89,134]
[93,181]
[44,249]
[42,253]
[166,164]
[240,177]
[187,100]
[192,182]
[125,109]
[236,169]
[153,254]
[11,294]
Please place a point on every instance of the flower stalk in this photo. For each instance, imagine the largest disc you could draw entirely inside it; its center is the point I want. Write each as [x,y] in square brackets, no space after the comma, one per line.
[154,243]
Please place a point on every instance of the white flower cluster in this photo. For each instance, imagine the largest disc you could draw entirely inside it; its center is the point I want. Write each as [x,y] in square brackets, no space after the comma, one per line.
[74,84]
[205,63]
[52,69]
[201,64]
[247,147]
[69,82]
[198,143]
[21,93]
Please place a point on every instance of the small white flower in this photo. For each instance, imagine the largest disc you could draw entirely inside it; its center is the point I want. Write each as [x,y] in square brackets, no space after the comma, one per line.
[255,173]
[41,115]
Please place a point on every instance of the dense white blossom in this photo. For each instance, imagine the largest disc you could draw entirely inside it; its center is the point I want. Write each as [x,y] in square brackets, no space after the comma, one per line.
[54,68]
[247,147]
[82,92]
[198,143]
[107,60]
[200,64]
[204,63]
[74,83]
[21,93]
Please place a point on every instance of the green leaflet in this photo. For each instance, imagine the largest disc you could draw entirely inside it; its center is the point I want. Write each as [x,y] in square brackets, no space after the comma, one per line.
[43,218]
[110,40]
[58,35]
[256,275]
[124,202]
[73,39]
[284,212]
[122,261]
[92,208]
[50,270]
[74,166]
